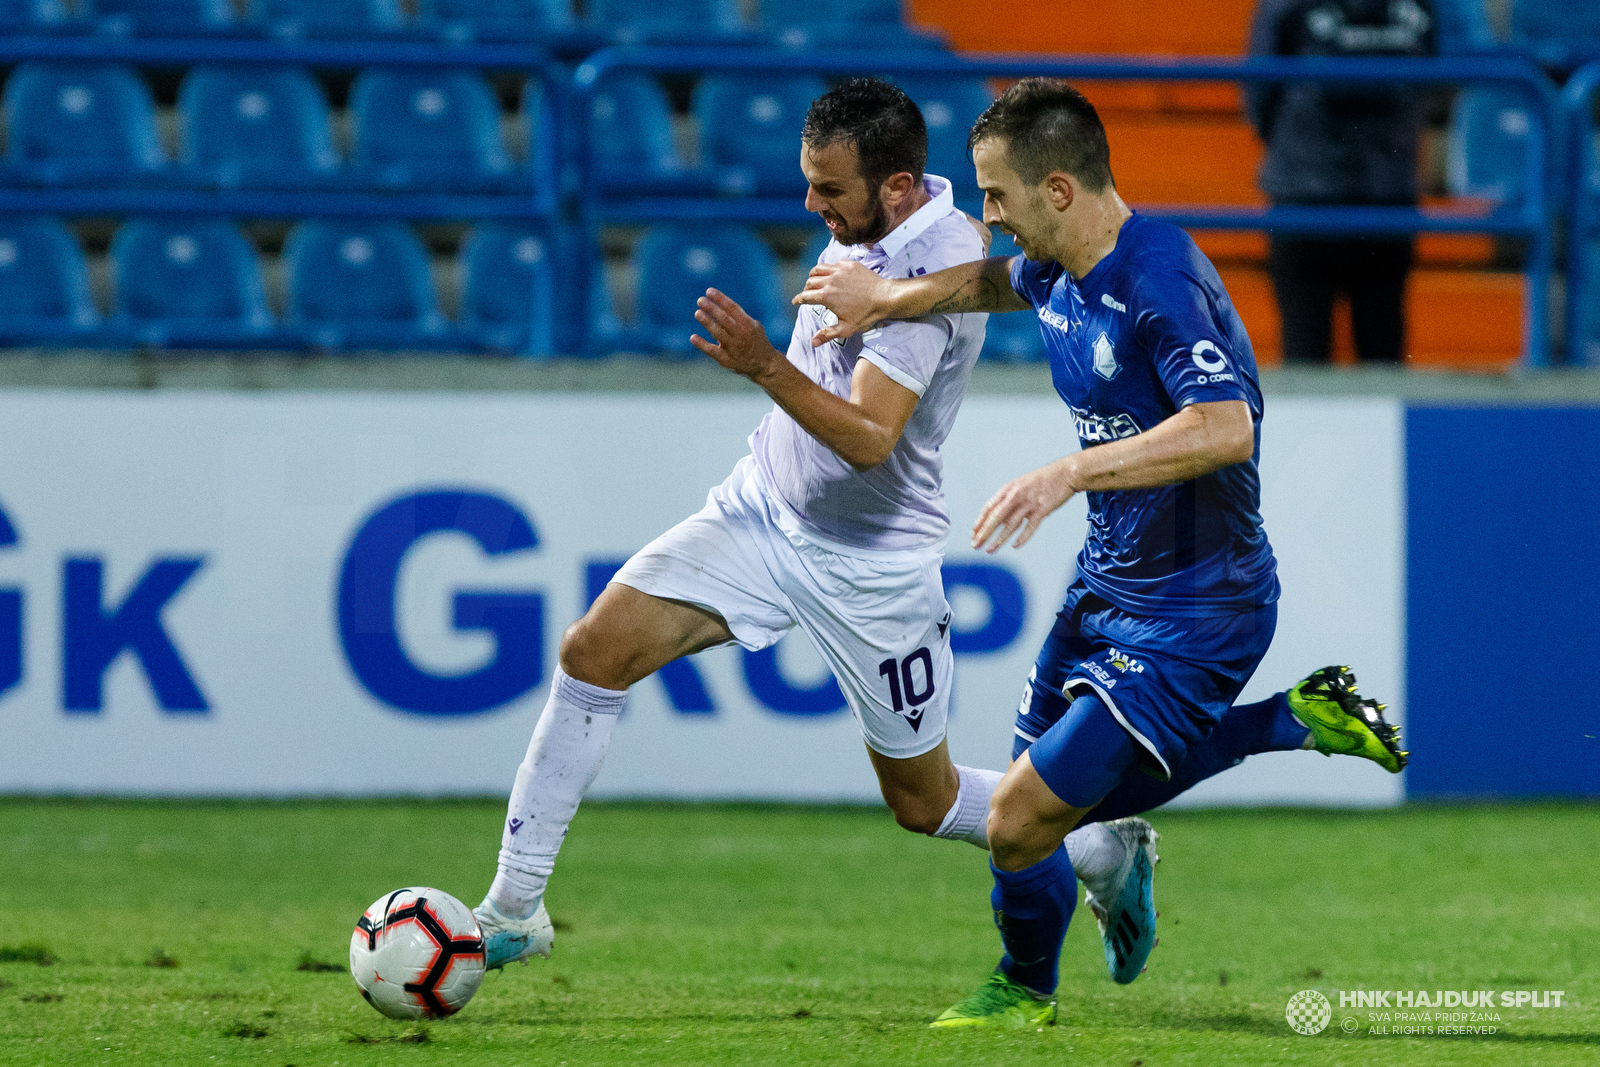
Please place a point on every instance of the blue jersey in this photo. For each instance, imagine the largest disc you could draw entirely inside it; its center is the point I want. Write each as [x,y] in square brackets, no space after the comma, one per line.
[1147,332]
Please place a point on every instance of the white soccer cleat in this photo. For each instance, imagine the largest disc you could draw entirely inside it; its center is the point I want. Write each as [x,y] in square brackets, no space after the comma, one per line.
[507,940]
[1126,912]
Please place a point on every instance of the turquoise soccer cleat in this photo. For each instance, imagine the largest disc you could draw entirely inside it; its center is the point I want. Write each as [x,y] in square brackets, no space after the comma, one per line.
[1127,915]
[507,940]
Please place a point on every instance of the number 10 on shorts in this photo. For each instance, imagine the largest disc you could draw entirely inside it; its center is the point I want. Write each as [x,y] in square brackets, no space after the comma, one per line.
[903,688]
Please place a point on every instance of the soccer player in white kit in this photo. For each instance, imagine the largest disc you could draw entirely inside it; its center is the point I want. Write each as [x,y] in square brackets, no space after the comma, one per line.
[834,523]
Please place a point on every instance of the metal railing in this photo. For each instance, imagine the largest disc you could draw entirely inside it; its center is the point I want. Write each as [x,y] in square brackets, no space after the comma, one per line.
[1583,221]
[1529,218]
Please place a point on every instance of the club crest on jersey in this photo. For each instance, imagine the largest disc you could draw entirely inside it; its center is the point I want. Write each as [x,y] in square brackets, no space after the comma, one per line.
[1105,358]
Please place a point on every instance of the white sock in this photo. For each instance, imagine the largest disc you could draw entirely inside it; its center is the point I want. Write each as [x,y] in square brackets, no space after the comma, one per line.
[968,817]
[564,756]
[1096,853]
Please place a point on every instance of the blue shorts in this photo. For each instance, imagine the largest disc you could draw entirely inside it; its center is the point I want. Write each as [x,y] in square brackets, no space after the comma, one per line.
[1166,680]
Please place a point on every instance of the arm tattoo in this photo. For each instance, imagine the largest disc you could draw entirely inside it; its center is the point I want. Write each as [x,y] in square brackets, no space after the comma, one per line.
[976,294]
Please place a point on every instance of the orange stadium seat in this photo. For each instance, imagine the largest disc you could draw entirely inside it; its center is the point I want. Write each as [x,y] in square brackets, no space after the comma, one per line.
[1164,159]
[1251,292]
[1456,320]
[1180,27]
[1433,249]
[1464,319]
[1218,98]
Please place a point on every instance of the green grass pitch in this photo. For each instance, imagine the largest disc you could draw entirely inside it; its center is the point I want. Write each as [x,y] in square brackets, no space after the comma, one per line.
[775,936]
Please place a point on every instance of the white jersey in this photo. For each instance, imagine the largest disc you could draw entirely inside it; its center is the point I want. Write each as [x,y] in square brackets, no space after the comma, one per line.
[899,504]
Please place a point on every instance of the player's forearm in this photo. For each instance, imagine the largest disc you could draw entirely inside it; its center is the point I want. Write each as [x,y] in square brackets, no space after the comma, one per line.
[982,285]
[846,428]
[1198,440]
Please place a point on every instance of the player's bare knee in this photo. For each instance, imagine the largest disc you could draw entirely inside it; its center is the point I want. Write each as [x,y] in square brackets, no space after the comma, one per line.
[1019,835]
[588,658]
[1000,830]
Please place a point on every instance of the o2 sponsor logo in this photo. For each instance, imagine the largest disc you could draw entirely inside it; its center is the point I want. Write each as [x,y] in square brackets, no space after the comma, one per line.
[1209,358]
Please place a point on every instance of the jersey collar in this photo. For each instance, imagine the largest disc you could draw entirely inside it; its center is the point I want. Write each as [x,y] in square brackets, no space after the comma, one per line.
[942,204]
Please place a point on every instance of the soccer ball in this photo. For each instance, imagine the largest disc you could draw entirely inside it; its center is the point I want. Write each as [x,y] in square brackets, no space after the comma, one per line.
[417,953]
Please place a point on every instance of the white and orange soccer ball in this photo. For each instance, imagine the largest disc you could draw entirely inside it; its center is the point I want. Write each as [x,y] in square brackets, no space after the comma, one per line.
[417,953]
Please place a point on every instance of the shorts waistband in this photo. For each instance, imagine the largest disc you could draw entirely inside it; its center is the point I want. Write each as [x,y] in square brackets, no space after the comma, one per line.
[795,527]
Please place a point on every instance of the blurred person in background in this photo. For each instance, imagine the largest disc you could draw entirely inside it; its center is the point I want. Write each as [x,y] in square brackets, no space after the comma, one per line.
[1340,144]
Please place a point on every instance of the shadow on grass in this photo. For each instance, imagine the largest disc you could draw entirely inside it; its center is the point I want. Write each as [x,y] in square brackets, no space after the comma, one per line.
[413,1036]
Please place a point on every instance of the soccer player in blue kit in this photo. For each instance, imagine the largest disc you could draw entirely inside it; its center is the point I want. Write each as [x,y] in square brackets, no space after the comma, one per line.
[1131,701]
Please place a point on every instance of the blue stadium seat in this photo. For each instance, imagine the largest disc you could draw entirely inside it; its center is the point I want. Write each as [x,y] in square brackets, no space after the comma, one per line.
[34,16]
[162,18]
[501,20]
[677,262]
[254,127]
[427,129]
[508,288]
[361,285]
[1489,130]
[681,21]
[1014,336]
[1558,33]
[878,24]
[949,107]
[79,123]
[328,19]
[1463,28]
[44,284]
[750,129]
[630,137]
[188,282]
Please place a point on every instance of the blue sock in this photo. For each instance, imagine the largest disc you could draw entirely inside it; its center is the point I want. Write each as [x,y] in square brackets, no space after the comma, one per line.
[1246,729]
[1284,732]
[1031,910]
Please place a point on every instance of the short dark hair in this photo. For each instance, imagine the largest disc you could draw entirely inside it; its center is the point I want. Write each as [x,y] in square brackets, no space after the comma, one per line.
[876,118]
[1047,125]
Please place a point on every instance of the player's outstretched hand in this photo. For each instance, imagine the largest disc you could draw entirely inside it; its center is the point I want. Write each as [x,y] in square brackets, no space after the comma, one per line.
[742,344]
[856,296]
[1021,505]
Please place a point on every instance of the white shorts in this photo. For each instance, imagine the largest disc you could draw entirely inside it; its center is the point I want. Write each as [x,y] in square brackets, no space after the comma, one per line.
[879,619]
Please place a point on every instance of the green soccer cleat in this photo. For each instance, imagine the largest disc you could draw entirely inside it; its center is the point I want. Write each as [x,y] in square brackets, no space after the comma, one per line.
[1343,724]
[1000,1002]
